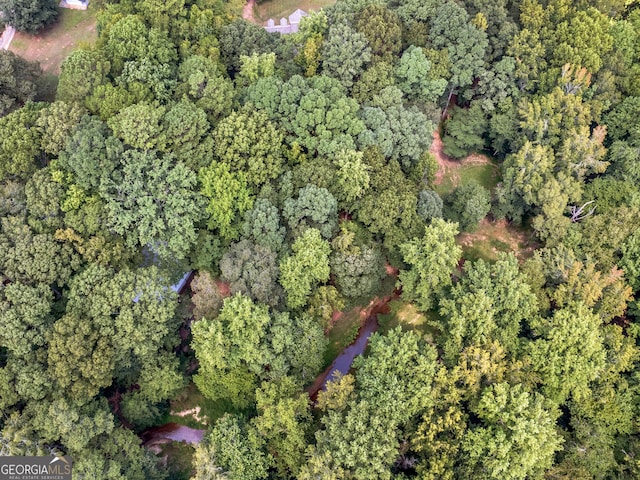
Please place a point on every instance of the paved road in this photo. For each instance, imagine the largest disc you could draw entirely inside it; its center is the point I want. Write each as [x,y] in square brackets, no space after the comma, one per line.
[6,37]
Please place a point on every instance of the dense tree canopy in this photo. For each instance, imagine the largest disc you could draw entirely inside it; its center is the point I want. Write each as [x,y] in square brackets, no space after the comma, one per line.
[298,185]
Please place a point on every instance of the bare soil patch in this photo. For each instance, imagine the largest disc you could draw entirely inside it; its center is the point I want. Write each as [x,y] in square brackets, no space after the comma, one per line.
[495,236]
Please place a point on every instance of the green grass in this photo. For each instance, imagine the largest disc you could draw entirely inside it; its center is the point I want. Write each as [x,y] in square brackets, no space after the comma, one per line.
[342,334]
[52,45]
[190,398]
[408,317]
[485,249]
[486,175]
[277,9]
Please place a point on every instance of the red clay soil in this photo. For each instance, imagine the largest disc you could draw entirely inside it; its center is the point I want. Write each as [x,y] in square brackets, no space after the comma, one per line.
[448,166]
[247,11]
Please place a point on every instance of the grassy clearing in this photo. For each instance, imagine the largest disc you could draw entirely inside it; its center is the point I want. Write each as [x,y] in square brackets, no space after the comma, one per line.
[277,9]
[408,317]
[491,238]
[53,44]
[189,399]
[486,174]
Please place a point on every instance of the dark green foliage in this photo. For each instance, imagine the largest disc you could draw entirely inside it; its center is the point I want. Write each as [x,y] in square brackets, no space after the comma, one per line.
[464,131]
[467,205]
[313,208]
[429,205]
[244,38]
[18,81]
[252,270]
[28,15]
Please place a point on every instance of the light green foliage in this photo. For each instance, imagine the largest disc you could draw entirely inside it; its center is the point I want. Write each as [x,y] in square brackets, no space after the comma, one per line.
[105,334]
[129,39]
[569,353]
[517,439]
[315,113]
[56,123]
[255,66]
[20,142]
[308,265]
[240,38]
[206,297]
[152,202]
[432,259]
[361,438]
[352,176]
[490,302]
[18,81]
[34,258]
[467,205]
[140,126]
[228,350]
[314,208]
[324,302]
[234,448]
[202,81]
[284,420]
[80,74]
[250,143]
[229,197]
[262,225]
[372,81]
[252,270]
[415,78]
[344,54]
[464,131]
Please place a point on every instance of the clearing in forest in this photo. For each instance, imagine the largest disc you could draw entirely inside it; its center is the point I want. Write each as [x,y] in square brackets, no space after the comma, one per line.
[453,173]
[495,236]
[56,42]
[277,9]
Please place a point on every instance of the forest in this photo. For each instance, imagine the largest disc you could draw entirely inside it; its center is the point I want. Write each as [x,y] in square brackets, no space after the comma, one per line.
[294,175]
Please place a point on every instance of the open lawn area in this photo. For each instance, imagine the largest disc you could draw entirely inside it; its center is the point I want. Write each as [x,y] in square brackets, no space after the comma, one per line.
[277,9]
[493,237]
[53,44]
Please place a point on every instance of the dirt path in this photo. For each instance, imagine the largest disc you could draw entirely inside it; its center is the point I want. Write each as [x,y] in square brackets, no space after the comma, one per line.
[247,11]
[447,166]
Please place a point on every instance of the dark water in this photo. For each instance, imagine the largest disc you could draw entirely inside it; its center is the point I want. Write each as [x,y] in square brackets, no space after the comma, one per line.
[342,363]
[171,432]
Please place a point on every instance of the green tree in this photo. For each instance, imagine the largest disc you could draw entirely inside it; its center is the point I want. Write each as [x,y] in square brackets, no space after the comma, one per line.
[569,352]
[229,350]
[56,123]
[20,142]
[402,133]
[464,131]
[262,225]
[28,15]
[517,439]
[18,81]
[232,448]
[314,208]
[80,74]
[429,205]
[415,78]
[307,266]
[152,202]
[432,259]
[382,29]
[344,54]
[229,197]
[250,143]
[252,270]
[467,205]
